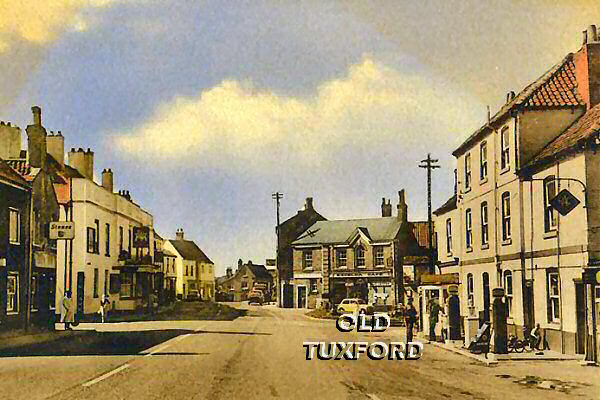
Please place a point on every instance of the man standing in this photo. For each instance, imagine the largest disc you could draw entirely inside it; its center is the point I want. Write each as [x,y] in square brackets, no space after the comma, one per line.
[411,318]
[104,304]
[433,319]
[67,311]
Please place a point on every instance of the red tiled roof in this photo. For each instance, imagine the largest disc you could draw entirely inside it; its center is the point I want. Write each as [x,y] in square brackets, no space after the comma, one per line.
[556,88]
[421,232]
[573,137]
[9,174]
[22,168]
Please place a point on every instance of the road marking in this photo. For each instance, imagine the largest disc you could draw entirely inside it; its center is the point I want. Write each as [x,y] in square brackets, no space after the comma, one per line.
[158,350]
[107,375]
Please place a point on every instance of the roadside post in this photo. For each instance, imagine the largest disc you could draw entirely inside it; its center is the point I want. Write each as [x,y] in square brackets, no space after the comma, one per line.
[499,326]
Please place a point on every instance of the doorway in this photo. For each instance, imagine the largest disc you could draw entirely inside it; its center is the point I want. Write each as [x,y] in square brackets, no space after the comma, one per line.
[301,297]
[486,297]
[80,292]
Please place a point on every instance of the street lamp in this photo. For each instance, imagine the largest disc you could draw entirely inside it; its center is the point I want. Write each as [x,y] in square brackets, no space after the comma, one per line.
[277,196]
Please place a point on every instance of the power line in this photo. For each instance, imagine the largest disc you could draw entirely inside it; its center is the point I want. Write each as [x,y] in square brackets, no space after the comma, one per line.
[429,164]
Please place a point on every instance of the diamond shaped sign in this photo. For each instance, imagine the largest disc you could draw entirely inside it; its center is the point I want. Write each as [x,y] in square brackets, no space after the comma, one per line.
[564,202]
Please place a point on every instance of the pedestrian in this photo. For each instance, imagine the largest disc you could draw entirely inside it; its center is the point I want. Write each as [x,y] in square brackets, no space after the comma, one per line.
[67,311]
[104,305]
[434,311]
[536,337]
[411,319]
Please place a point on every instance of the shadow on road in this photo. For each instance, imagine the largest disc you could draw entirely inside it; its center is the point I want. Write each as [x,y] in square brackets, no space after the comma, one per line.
[234,333]
[97,344]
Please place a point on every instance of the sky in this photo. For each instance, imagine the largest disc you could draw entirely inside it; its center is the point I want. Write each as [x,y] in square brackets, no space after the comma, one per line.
[203,109]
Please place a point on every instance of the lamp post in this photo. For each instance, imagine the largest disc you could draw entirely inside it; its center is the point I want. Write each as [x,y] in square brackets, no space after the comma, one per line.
[277,196]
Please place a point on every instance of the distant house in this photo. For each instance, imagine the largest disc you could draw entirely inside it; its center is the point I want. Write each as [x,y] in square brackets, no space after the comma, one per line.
[195,271]
[240,283]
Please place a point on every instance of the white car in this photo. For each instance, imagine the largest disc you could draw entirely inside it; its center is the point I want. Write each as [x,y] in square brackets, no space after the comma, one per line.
[353,306]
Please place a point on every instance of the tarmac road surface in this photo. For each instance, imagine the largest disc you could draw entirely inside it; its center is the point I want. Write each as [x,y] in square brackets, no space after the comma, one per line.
[260,356]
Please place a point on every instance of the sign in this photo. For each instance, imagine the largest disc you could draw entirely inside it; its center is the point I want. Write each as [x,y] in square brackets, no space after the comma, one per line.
[564,202]
[62,230]
[591,276]
[453,289]
[141,237]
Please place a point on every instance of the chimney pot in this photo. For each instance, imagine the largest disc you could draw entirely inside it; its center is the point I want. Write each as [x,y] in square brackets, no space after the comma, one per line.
[402,208]
[592,34]
[107,180]
[179,235]
[309,203]
[37,115]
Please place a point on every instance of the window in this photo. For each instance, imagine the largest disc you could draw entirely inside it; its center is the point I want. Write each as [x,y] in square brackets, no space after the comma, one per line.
[469,228]
[130,240]
[107,234]
[307,259]
[379,260]
[15,226]
[244,285]
[449,235]
[120,239]
[505,148]
[91,240]
[508,291]
[313,285]
[12,293]
[360,256]
[550,216]
[553,297]
[468,171]
[484,223]
[97,244]
[342,261]
[483,170]
[106,280]
[186,270]
[470,289]
[96,282]
[505,216]
[127,284]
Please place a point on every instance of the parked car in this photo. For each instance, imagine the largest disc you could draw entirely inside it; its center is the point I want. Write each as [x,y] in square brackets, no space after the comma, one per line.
[353,306]
[193,295]
[256,297]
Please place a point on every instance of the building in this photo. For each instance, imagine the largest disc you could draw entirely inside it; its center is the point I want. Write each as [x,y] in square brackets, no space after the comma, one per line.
[289,230]
[361,258]
[37,166]
[195,271]
[240,283]
[165,260]
[500,230]
[15,211]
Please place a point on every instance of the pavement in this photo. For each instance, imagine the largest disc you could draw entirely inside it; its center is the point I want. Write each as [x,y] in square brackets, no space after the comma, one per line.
[260,356]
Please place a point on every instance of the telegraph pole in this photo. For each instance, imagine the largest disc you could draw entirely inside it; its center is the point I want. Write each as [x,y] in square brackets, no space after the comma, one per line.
[429,164]
[277,197]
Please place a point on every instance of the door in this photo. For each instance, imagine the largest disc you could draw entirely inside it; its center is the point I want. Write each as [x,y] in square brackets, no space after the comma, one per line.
[486,297]
[80,292]
[580,311]
[288,295]
[301,297]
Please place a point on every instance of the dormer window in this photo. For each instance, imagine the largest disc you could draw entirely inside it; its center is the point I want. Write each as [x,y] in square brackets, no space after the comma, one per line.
[360,256]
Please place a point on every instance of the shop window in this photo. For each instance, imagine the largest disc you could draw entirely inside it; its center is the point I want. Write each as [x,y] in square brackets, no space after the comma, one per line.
[470,289]
[553,285]
[508,292]
[126,285]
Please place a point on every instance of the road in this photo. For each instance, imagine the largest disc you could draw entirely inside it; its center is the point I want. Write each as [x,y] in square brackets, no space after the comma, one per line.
[260,356]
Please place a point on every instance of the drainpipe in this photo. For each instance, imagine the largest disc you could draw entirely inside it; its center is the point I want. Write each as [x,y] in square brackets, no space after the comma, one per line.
[29,263]
[560,299]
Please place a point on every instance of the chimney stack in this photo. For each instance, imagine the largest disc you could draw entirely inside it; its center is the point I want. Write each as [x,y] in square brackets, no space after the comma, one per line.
[309,203]
[402,207]
[36,140]
[10,141]
[587,67]
[229,272]
[386,208]
[179,235]
[56,147]
[82,161]
[107,180]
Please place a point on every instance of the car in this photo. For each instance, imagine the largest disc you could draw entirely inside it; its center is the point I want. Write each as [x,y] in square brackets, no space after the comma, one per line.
[353,306]
[256,296]
[193,295]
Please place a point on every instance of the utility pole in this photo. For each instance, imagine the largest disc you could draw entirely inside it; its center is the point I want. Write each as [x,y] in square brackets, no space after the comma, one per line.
[277,197]
[429,164]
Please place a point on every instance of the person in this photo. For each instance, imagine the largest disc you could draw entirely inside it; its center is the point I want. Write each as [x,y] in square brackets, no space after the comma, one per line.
[67,311]
[411,319]
[536,337]
[433,319]
[104,304]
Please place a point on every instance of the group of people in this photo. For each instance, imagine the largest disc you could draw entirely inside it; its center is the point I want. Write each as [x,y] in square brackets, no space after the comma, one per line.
[410,319]
[68,309]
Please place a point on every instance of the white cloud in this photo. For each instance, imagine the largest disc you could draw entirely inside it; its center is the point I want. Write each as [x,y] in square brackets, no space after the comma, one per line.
[373,105]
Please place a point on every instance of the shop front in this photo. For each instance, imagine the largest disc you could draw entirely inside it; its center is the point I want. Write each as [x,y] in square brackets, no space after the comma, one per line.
[375,287]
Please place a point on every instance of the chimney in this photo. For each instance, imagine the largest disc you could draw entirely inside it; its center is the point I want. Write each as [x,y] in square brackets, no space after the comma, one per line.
[229,272]
[386,208]
[36,140]
[587,67]
[309,203]
[82,161]
[510,96]
[56,147]
[402,208]
[107,180]
[179,235]
[10,141]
